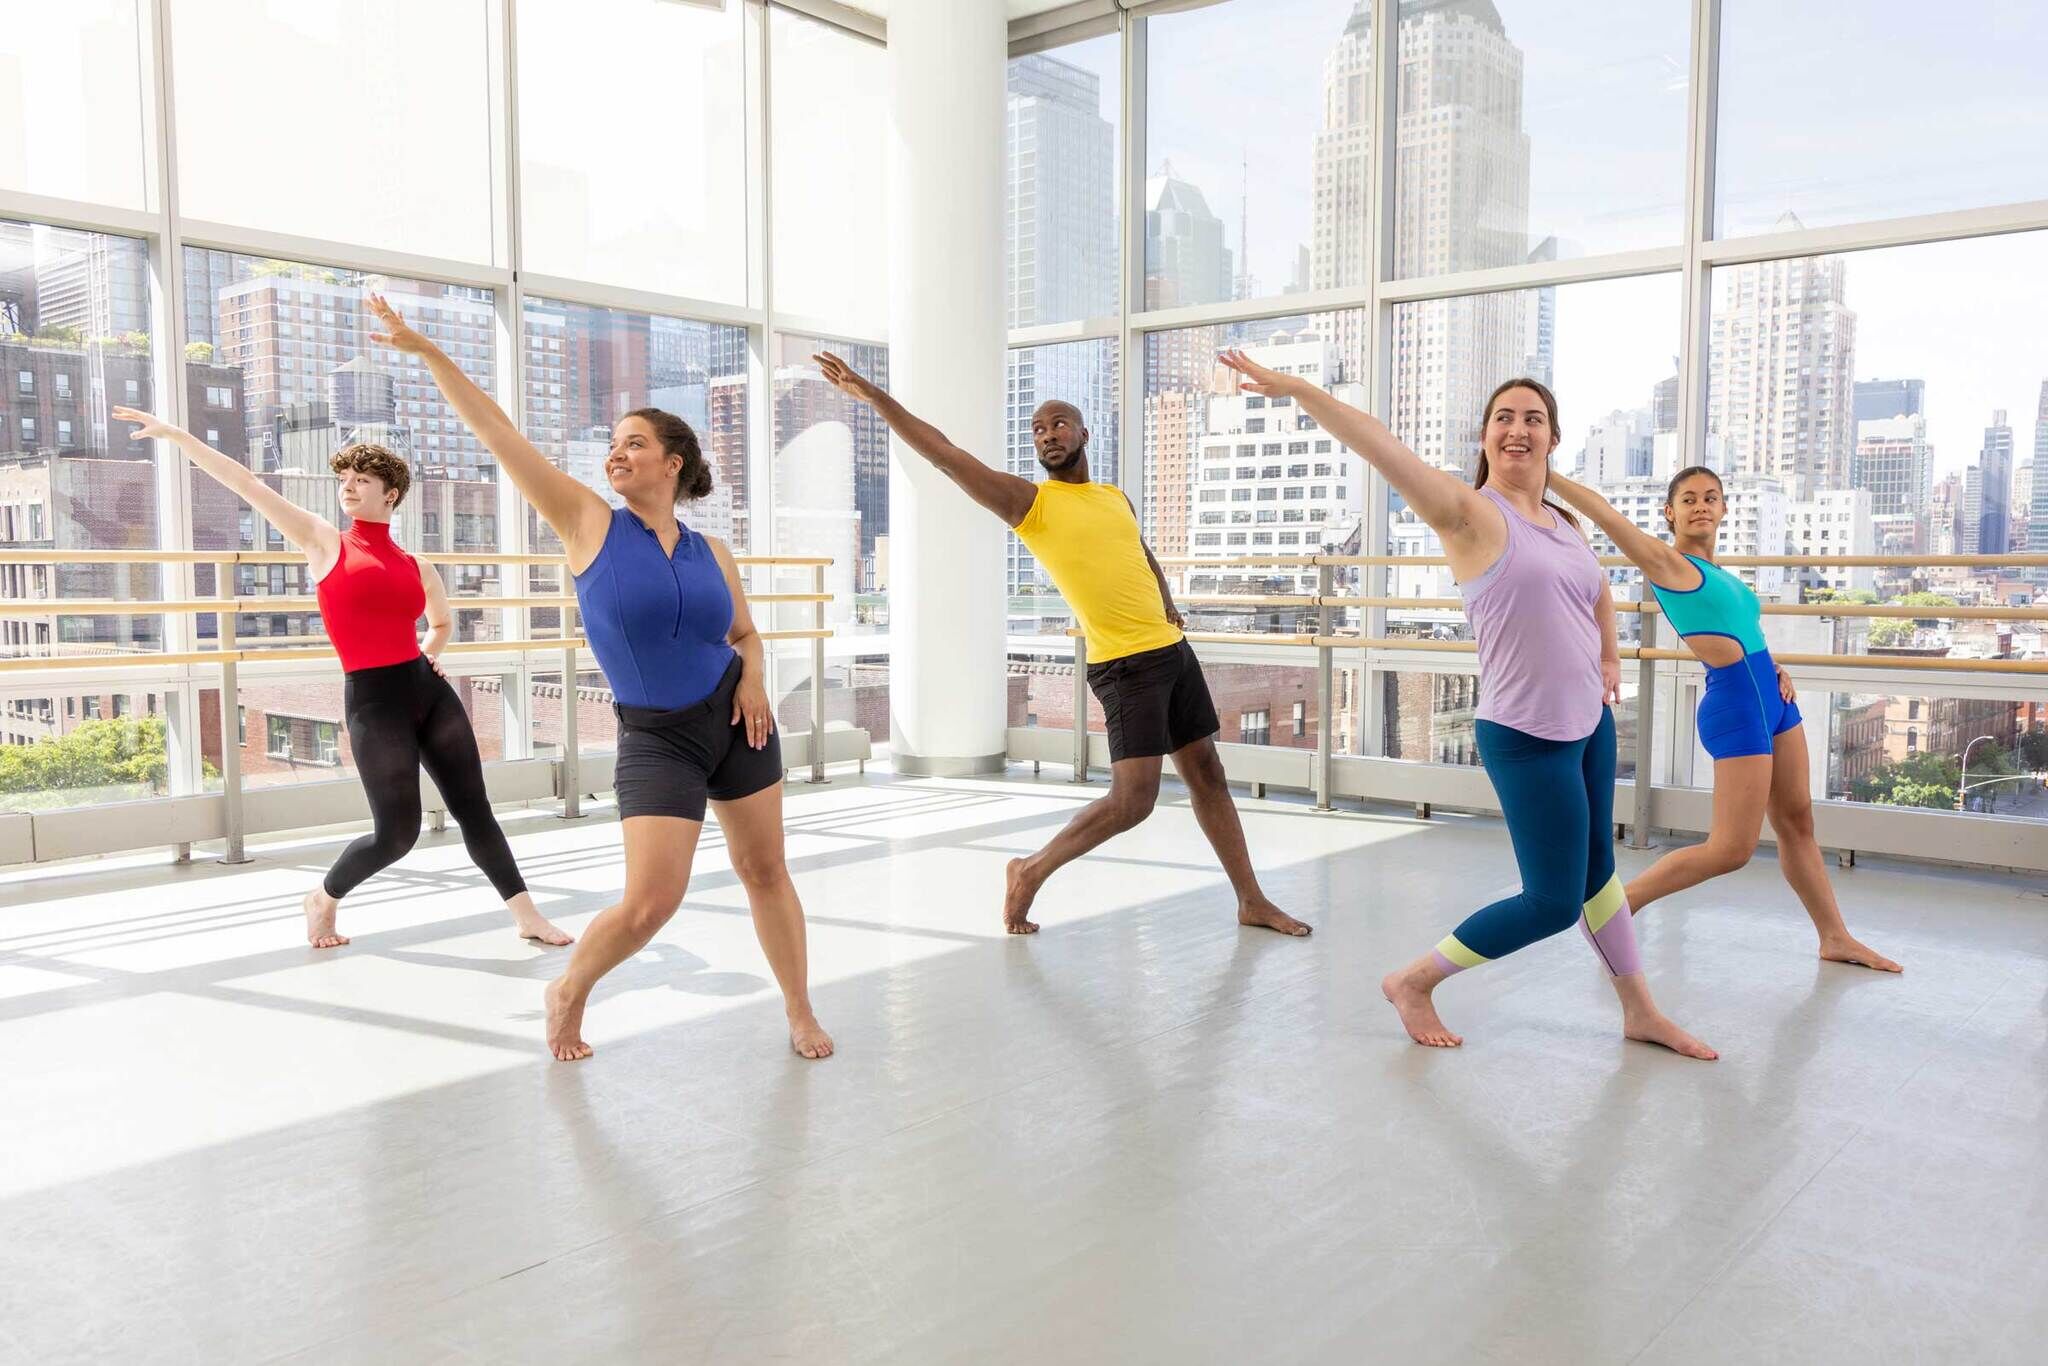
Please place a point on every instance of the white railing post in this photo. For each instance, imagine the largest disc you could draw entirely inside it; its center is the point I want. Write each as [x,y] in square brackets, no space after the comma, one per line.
[230,727]
[1326,667]
[572,742]
[1646,719]
[818,676]
[1080,709]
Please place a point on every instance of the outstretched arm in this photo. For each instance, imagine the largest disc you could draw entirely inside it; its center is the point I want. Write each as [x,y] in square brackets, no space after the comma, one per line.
[1656,558]
[578,515]
[1001,492]
[314,537]
[1448,504]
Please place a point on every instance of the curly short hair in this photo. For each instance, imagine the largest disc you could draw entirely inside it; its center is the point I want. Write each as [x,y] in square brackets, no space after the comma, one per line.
[379,462]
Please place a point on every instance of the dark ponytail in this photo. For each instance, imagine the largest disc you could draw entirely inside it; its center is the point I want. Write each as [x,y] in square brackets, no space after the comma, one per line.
[1542,391]
[676,437]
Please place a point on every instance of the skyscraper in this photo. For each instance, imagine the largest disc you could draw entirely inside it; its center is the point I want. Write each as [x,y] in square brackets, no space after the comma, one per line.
[1994,525]
[1271,481]
[1462,203]
[1894,464]
[1618,448]
[1062,194]
[1780,360]
[1063,252]
[1339,252]
[2037,519]
[1186,259]
[1878,398]
[1664,404]
[287,328]
[1945,517]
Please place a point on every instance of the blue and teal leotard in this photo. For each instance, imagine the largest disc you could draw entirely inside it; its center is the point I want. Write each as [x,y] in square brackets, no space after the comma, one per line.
[1742,711]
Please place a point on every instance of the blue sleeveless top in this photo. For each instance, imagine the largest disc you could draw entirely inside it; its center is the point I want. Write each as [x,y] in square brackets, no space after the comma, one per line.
[657,623]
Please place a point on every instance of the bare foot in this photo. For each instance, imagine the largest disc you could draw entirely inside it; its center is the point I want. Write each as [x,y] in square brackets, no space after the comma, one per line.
[1263,914]
[565,1025]
[1843,948]
[534,926]
[808,1037]
[1417,1011]
[1658,1029]
[1018,892]
[320,909]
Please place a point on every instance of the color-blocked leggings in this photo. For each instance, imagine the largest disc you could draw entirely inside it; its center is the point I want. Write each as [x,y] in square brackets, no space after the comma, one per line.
[1558,796]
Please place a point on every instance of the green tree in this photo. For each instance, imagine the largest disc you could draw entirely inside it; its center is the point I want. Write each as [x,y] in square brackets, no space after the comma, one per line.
[61,334]
[100,753]
[1891,631]
[1859,596]
[2034,749]
[199,352]
[1917,780]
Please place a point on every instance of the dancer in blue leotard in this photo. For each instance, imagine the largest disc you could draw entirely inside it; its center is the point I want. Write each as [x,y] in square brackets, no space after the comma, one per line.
[668,622]
[1747,719]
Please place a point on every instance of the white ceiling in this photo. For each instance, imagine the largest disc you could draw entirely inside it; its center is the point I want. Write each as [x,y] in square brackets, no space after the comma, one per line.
[1018,9]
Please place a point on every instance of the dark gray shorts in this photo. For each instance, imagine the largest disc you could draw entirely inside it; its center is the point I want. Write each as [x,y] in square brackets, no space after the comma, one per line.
[672,762]
[1153,702]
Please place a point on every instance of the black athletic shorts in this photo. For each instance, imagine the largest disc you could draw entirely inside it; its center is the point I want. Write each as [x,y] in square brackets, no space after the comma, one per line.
[671,762]
[1153,702]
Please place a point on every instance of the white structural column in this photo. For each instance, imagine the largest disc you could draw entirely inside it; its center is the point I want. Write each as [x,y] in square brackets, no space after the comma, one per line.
[946,339]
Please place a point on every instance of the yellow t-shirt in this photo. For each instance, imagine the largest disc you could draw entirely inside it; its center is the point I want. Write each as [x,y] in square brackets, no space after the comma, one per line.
[1088,541]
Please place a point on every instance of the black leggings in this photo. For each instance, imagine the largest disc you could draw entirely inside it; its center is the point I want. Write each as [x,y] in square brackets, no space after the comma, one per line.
[402,718]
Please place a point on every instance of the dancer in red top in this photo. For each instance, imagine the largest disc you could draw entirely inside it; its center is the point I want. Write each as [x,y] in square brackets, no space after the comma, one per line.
[402,715]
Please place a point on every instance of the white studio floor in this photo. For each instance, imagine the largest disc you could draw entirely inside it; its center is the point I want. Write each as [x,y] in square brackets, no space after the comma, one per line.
[1141,1136]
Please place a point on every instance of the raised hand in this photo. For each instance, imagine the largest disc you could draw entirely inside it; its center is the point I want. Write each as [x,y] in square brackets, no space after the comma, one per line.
[397,334]
[1257,379]
[844,377]
[147,425]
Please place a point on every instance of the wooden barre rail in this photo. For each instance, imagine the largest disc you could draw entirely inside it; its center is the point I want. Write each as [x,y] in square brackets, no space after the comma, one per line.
[2030,560]
[117,607]
[1938,663]
[61,557]
[258,654]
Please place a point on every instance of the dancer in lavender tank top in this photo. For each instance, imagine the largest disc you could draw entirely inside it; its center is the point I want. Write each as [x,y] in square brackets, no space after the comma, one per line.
[1548,666]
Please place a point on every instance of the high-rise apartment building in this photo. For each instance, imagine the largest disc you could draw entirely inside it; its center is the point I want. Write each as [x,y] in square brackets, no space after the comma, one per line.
[1782,351]
[1994,511]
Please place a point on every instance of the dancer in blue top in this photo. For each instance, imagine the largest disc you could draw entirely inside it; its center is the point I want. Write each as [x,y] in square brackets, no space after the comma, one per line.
[667,619]
[1747,720]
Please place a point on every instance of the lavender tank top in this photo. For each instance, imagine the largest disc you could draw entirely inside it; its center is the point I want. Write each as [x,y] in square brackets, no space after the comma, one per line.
[1539,638]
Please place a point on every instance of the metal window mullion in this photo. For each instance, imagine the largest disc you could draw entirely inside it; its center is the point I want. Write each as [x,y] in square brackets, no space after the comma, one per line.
[59,212]
[1693,342]
[1378,359]
[355,256]
[761,322]
[515,703]
[172,475]
[1131,265]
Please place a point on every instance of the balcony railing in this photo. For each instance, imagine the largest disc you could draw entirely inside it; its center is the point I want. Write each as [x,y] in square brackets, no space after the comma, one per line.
[2028,676]
[231,651]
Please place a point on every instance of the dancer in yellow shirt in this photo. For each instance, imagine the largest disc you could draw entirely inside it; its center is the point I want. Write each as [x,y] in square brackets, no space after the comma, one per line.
[1155,703]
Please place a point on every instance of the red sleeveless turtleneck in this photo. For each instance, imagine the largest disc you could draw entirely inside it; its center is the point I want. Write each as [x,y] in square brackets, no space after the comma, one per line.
[371,601]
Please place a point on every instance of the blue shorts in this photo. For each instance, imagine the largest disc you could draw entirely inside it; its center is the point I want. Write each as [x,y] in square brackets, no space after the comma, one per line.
[1742,711]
